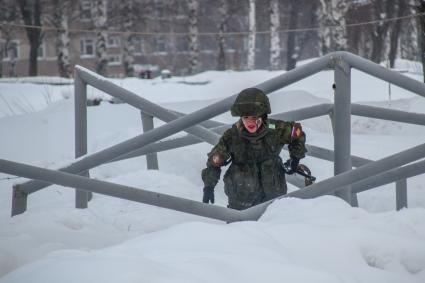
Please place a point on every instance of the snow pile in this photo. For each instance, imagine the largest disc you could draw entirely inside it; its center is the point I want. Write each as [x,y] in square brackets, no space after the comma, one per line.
[295,241]
[319,240]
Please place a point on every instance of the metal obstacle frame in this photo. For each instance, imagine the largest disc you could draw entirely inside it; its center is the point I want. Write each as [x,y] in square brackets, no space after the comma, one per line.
[346,183]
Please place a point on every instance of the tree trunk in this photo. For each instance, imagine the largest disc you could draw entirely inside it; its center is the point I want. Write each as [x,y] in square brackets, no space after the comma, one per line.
[12,62]
[420,7]
[7,15]
[251,36]
[291,48]
[395,32]
[128,49]
[31,14]
[62,10]
[222,10]
[193,36]
[332,14]
[274,35]
[99,19]
[409,35]
[381,10]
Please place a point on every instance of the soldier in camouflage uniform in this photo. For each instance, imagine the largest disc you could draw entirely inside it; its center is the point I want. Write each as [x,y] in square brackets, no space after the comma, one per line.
[252,146]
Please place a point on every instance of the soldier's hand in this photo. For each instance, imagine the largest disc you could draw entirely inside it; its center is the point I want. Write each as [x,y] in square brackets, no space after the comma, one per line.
[291,165]
[208,195]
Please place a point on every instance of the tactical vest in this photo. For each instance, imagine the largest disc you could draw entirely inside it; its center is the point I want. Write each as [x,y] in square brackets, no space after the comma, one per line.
[256,173]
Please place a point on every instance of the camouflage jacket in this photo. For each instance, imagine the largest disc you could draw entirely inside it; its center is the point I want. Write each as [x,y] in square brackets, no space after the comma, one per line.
[255,162]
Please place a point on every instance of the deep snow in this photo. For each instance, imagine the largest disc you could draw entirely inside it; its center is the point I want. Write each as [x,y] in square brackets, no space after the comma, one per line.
[319,240]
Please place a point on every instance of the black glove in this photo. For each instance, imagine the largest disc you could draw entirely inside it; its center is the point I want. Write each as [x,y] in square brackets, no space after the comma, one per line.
[291,165]
[208,195]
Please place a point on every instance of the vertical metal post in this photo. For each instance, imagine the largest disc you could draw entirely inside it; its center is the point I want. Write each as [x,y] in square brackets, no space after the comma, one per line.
[151,158]
[19,200]
[80,107]
[331,117]
[342,123]
[401,193]
[354,200]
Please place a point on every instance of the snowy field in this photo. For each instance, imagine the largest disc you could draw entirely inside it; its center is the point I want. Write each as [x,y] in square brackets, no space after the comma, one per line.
[318,240]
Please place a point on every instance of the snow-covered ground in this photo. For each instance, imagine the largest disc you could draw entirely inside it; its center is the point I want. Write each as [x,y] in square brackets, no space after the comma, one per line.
[318,240]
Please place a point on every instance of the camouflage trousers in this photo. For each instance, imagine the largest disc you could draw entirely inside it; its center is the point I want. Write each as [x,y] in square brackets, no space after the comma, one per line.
[247,184]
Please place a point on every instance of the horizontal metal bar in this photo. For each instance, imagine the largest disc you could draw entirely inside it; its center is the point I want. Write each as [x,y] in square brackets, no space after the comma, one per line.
[206,124]
[390,176]
[382,73]
[143,104]
[327,154]
[121,191]
[388,114]
[299,114]
[347,178]
[304,113]
[362,172]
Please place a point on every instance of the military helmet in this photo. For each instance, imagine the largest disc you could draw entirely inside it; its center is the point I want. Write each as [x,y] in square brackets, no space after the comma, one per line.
[251,102]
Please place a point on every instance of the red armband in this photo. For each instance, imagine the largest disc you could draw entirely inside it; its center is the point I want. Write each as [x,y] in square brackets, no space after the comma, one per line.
[296,131]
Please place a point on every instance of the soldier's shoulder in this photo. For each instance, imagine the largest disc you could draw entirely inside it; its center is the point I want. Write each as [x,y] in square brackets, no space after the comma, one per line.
[277,124]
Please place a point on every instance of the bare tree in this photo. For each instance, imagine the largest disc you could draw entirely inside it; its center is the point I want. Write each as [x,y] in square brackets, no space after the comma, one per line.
[381,11]
[333,32]
[274,35]
[62,9]
[7,15]
[193,6]
[223,14]
[251,35]
[31,14]
[420,8]
[291,48]
[99,16]
[126,9]
[395,32]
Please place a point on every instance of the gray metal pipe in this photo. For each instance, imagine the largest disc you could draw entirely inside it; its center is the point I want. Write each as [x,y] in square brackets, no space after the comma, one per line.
[388,114]
[327,154]
[151,158]
[299,114]
[304,113]
[80,110]
[362,172]
[401,194]
[390,176]
[141,103]
[348,178]
[206,124]
[342,123]
[294,75]
[381,72]
[121,191]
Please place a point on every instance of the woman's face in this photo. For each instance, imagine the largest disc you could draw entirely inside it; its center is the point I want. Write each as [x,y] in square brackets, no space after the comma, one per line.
[251,123]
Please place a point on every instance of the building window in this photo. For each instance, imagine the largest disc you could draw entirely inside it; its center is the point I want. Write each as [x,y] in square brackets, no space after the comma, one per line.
[114,59]
[12,50]
[159,9]
[182,44]
[160,45]
[87,47]
[138,45]
[41,51]
[85,10]
[113,41]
